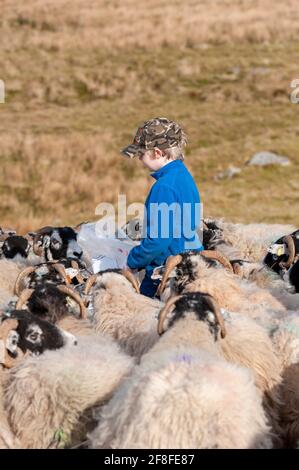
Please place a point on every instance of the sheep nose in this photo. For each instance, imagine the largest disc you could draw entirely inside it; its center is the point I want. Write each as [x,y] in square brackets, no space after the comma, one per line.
[75,342]
[78,254]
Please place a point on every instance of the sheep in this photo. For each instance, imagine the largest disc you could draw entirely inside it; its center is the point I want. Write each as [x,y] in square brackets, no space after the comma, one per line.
[7,438]
[49,399]
[193,272]
[20,334]
[37,335]
[55,243]
[10,352]
[184,394]
[10,355]
[285,337]
[9,272]
[123,314]
[52,273]
[241,241]
[15,245]
[283,258]
[56,304]
[265,278]
[248,344]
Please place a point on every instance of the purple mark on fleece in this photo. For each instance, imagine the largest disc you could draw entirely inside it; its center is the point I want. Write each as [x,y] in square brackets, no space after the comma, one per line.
[184,358]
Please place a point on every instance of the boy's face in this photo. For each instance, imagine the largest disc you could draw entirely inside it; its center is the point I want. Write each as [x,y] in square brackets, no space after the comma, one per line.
[153,159]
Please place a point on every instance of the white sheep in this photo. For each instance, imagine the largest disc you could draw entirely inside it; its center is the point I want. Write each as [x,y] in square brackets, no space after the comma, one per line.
[285,336]
[48,398]
[7,438]
[247,241]
[123,314]
[185,395]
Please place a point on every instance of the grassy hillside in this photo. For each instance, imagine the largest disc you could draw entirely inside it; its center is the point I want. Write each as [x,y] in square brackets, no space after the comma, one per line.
[81,76]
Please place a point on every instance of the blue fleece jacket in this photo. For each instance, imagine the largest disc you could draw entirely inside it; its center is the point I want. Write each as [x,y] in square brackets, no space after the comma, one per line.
[172,214]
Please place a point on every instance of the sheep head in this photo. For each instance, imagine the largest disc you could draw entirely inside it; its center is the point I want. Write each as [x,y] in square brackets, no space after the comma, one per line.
[105,276]
[50,302]
[202,305]
[37,335]
[282,258]
[14,245]
[185,268]
[31,276]
[54,243]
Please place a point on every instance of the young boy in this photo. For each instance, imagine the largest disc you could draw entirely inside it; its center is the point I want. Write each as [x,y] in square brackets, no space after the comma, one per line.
[172,212]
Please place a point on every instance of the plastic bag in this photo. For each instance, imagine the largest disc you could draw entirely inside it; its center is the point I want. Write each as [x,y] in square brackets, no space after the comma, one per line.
[101,249]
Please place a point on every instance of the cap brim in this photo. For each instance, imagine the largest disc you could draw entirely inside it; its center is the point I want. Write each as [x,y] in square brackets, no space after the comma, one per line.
[130,151]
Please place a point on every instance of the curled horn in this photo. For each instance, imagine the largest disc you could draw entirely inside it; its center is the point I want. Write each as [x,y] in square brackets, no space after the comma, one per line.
[25,295]
[89,283]
[164,312]
[216,310]
[130,276]
[289,242]
[79,277]
[61,270]
[171,263]
[76,297]
[24,273]
[213,254]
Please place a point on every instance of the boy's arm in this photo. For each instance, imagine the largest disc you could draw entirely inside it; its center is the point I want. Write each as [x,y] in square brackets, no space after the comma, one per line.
[160,228]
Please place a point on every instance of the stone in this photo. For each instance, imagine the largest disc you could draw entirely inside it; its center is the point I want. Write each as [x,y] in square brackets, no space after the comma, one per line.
[267,158]
[229,173]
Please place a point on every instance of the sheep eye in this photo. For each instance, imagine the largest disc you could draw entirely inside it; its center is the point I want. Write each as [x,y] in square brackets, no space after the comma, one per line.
[33,336]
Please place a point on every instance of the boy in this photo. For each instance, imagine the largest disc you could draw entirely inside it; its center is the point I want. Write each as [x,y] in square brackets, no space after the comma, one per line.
[173,204]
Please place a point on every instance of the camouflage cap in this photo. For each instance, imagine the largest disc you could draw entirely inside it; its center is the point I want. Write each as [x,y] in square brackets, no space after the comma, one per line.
[158,132]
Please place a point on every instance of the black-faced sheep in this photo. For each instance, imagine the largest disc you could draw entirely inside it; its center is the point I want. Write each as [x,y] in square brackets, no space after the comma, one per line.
[14,246]
[184,394]
[55,243]
[283,258]
[191,272]
[19,334]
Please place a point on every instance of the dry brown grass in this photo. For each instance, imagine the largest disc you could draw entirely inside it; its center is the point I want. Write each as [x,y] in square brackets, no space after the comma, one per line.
[80,76]
[66,24]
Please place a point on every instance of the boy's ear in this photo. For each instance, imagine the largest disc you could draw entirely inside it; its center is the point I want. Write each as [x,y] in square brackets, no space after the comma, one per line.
[158,152]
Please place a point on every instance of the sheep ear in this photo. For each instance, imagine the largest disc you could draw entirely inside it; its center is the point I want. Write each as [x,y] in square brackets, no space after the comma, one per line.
[158,273]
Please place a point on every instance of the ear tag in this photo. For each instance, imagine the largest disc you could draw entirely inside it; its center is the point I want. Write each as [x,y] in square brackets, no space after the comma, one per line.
[71,273]
[280,251]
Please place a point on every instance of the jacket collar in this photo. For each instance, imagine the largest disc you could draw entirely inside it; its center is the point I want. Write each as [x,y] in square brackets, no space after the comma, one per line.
[167,168]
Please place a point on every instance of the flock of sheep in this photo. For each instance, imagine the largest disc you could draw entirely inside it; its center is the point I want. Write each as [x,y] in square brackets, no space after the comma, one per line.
[87,361]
